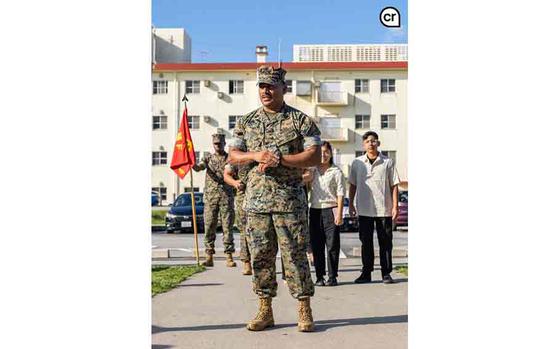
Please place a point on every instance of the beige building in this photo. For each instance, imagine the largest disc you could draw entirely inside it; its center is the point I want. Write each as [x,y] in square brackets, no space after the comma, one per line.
[344,98]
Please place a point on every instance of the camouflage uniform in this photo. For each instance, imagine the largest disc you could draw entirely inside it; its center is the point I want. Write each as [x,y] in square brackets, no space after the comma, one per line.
[275,201]
[218,201]
[240,172]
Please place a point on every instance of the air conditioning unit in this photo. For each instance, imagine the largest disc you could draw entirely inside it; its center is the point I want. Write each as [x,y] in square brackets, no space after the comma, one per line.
[220,95]
[303,88]
[207,118]
[207,83]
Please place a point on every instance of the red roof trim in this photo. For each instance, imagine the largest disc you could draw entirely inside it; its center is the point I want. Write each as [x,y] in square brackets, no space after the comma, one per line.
[161,67]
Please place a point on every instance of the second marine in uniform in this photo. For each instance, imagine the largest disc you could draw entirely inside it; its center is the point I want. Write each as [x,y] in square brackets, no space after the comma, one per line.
[218,202]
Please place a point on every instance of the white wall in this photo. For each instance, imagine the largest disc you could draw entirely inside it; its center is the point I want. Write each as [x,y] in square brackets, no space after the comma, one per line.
[172,45]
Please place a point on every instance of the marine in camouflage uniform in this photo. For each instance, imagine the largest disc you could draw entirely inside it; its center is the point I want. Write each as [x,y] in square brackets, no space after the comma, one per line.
[218,201]
[237,175]
[275,200]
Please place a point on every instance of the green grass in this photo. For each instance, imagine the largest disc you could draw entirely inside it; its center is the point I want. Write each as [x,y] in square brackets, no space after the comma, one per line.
[158,217]
[165,278]
[403,269]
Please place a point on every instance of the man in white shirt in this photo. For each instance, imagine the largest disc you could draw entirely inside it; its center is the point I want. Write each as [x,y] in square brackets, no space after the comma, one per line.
[374,178]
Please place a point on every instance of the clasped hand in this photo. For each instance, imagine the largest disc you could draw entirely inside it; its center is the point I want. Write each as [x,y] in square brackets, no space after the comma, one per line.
[267,159]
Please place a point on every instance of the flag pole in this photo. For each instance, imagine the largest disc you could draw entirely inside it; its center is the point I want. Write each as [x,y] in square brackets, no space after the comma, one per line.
[195,225]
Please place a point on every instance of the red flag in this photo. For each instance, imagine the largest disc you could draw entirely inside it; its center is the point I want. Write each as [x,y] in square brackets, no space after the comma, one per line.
[183,152]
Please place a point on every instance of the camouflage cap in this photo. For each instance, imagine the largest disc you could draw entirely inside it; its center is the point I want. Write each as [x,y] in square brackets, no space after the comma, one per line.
[218,138]
[269,75]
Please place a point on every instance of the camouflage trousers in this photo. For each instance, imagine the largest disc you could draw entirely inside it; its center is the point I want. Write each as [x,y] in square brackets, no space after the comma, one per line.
[214,211]
[267,231]
[241,223]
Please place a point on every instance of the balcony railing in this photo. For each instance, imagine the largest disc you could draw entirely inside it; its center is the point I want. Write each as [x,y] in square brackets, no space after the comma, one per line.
[333,98]
[334,134]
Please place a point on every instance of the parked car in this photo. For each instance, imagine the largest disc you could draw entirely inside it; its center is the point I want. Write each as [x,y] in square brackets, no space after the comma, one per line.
[402,217]
[348,223]
[155,198]
[179,218]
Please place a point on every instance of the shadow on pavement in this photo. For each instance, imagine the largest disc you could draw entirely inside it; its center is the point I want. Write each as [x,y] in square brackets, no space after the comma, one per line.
[320,326]
[206,284]
[158,329]
[159,346]
[323,325]
[395,281]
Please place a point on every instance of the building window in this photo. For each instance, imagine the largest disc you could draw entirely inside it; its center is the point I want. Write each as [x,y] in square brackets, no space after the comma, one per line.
[194,121]
[232,120]
[235,86]
[362,121]
[303,88]
[162,191]
[391,154]
[361,86]
[359,153]
[192,86]
[159,158]
[159,87]
[195,189]
[389,121]
[159,122]
[387,85]
[289,86]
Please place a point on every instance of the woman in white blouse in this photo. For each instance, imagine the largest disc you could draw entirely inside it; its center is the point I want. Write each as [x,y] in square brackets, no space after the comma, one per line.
[325,215]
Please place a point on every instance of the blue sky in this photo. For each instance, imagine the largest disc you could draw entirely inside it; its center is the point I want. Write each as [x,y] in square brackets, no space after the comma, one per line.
[228,31]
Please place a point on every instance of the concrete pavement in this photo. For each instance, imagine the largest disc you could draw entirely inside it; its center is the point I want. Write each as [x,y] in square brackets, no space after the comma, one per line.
[210,310]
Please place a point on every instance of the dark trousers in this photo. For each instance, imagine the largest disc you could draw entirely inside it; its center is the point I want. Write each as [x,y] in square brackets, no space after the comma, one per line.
[384,228]
[323,232]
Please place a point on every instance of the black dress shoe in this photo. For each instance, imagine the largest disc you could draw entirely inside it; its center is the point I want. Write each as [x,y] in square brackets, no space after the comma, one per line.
[331,282]
[363,278]
[387,279]
[320,282]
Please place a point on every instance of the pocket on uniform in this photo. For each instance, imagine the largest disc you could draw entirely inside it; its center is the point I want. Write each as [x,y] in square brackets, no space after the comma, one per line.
[284,140]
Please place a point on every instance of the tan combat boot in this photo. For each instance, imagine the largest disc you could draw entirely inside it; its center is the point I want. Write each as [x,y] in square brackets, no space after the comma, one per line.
[247,270]
[264,317]
[229,260]
[209,262]
[305,322]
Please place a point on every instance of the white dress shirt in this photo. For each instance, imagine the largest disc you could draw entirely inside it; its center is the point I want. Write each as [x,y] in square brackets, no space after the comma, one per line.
[374,197]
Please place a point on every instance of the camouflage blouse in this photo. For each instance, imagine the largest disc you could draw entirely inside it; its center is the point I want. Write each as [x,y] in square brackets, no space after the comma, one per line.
[214,186]
[278,189]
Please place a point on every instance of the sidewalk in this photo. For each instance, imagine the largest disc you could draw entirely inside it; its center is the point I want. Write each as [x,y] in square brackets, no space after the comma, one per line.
[210,310]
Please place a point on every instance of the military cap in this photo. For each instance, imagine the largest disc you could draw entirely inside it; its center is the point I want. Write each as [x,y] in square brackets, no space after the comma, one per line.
[269,75]
[218,138]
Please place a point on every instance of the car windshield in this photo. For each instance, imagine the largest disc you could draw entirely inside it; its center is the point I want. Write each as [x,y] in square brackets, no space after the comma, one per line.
[185,200]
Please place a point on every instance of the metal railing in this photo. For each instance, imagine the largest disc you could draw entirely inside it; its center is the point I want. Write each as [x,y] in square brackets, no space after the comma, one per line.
[334,133]
[333,97]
